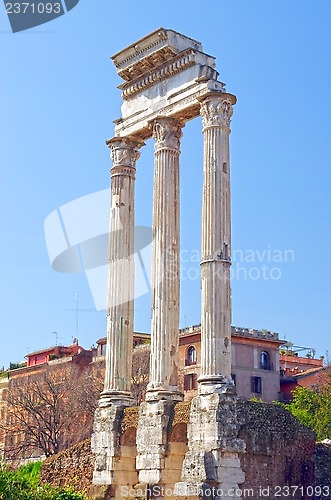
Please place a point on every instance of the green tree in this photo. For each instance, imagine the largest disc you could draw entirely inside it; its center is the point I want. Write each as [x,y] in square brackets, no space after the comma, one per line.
[313,408]
[304,405]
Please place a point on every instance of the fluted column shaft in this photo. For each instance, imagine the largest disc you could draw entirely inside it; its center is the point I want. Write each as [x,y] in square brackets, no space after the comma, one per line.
[120,305]
[216,111]
[165,260]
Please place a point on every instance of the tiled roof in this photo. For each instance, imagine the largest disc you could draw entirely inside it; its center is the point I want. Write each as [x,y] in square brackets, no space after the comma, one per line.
[40,351]
[310,371]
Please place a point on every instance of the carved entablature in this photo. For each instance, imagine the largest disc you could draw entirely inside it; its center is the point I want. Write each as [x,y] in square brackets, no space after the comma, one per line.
[216,111]
[166,74]
[167,133]
[124,154]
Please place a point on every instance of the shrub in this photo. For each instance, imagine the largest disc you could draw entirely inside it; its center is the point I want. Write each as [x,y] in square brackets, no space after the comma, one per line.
[24,484]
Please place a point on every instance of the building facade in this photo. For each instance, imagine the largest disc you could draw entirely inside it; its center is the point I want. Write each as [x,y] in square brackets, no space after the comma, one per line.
[53,353]
[255,362]
[297,371]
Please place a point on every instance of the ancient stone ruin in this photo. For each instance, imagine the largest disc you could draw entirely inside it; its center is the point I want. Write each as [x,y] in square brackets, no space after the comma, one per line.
[168,80]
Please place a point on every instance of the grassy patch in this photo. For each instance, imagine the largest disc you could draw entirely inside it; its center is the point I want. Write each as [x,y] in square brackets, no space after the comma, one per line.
[24,484]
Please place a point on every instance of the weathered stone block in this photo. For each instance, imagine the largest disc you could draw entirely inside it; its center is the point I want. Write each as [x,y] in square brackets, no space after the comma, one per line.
[150,476]
[199,466]
[150,461]
[128,451]
[226,461]
[230,475]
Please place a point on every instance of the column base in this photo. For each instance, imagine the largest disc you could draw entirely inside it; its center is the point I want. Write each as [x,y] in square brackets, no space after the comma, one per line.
[155,417]
[164,395]
[106,434]
[216,386]
[211,467]
[119,398]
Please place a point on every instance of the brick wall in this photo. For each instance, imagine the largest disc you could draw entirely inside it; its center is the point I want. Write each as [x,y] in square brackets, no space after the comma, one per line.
[279,450]
[73,467]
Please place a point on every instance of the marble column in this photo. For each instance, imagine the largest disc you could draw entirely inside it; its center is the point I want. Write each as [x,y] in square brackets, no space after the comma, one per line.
[165,261]
[162,391]
[212,459]
[120,306]
[216,111]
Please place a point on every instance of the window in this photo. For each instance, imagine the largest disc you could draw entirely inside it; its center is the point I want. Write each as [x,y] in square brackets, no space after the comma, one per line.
[103,349]
[191,356]
[265,363]
[233,376]
[190,382]
[257,385]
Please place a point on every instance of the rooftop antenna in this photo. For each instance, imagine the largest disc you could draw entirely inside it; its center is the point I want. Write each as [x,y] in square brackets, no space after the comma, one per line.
[56,337]
[77,302]
[77,311]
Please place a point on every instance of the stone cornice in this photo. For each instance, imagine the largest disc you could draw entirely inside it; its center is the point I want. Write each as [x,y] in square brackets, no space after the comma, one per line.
[162,72]
[135,51]
[150,51]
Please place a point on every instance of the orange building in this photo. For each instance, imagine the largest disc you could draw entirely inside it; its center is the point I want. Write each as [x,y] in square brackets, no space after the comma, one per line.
[255,362]
[292,364]
[51,353]
[297,371]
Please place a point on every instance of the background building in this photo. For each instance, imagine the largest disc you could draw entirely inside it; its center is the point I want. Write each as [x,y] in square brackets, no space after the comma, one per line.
[255,362]
[301,371]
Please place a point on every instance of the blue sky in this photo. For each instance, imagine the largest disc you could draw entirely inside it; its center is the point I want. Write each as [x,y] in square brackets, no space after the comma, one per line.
[58,99]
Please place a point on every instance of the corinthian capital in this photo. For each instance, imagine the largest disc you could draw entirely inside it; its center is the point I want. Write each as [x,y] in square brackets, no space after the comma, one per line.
[167,133]
[124,151]
[216,111]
